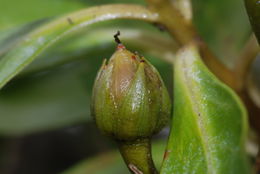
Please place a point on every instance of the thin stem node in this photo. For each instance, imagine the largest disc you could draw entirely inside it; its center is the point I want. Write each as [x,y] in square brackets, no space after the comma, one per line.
[137,155]
[116,36]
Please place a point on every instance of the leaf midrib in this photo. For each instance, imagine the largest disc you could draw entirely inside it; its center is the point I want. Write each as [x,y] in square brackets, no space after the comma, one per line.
[198,112]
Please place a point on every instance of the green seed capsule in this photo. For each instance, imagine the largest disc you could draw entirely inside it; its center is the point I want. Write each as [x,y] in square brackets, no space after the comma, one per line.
[253,10]
[129,100]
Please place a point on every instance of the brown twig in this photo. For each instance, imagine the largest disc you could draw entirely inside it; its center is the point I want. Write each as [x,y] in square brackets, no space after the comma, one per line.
[184,32]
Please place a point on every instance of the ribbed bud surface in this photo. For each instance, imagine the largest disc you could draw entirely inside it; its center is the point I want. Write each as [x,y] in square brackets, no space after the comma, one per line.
[129,99]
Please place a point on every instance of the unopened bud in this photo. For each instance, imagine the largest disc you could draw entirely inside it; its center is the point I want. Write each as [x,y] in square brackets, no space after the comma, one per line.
[130,100]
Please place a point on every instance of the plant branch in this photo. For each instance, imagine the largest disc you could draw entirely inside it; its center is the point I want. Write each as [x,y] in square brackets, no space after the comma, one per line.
[138,156]
[184,32]
[173,20]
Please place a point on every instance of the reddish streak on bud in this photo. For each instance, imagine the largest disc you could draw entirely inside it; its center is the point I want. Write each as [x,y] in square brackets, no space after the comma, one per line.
[142,61]
[133,57]
[120,46]
[166,154]
[124,69]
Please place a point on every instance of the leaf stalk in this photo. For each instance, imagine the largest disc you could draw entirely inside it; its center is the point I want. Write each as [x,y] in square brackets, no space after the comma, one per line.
[138,156]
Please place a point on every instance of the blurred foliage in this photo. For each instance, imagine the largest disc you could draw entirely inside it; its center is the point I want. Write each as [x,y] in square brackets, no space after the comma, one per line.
[45,100]
[20,12]
[223,25]
[41,98]
[31,10]
[211,22]
[54,91]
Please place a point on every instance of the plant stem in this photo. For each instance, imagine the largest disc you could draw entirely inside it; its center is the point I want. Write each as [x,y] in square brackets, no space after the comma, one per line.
[174,21]
[138,156]
[184,33]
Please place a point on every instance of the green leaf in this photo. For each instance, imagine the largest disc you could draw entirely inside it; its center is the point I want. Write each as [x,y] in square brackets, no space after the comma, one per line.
[41,38]
[47,100]
[31,10]
[16,12]
[209,126]
[10,37]
[223,25]
[73,47]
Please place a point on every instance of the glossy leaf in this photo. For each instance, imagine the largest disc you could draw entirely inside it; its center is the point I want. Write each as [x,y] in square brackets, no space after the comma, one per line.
[41,38]
[209,126]
[47,100]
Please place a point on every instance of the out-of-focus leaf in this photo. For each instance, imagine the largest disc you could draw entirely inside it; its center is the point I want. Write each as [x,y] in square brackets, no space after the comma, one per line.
[10,37]
[41,38]
[112,162]
[16,12]
[52,98]
[145,41]
[47,100]
[223,25]
[209,126]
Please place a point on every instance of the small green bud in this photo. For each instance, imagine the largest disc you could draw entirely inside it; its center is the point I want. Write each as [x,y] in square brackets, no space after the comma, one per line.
[253,10]
[130,100]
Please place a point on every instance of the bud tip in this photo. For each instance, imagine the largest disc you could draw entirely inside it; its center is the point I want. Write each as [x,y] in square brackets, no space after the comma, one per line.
[118,41]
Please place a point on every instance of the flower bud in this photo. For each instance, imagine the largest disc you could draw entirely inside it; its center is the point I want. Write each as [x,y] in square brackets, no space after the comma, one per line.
[130,100]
